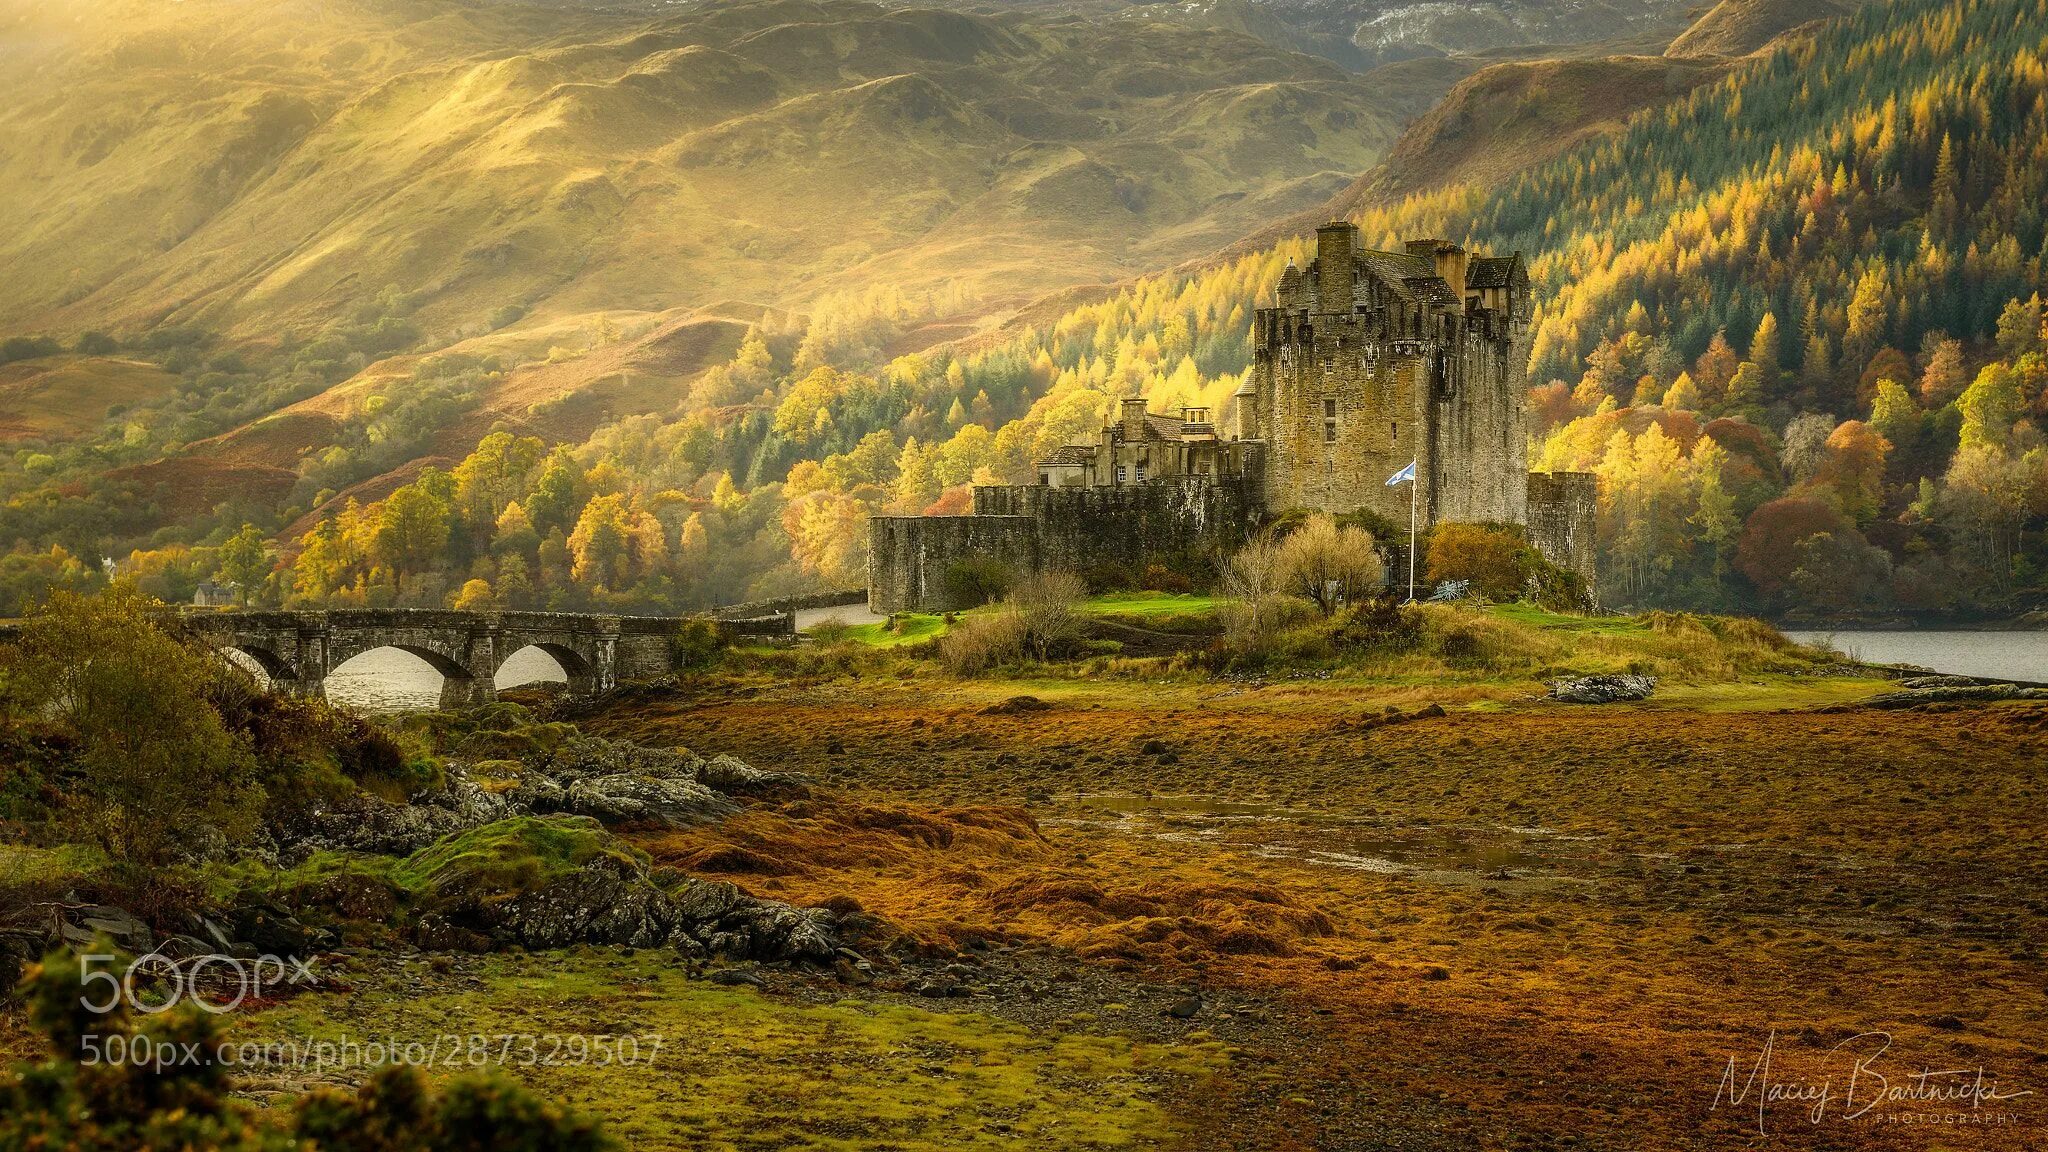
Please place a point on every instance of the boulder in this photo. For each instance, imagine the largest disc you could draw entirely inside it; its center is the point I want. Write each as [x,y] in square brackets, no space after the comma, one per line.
[727,921]
[1969,693]
[1602,689]
[549,882]
[79,927]
[365,823]
[584,757]
[606,901]
[666,803]
[732,774]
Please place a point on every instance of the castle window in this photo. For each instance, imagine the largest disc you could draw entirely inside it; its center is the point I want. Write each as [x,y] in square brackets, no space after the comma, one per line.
[1141,471]
[1329,421]
[1120,476]
[1045,479]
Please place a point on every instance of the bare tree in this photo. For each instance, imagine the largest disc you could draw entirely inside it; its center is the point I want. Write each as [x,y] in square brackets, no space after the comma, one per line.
[1251,581]
[1328,564]
[1050,604]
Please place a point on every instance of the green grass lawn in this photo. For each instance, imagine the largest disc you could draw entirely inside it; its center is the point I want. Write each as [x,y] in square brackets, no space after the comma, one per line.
[1531,616]
[919,626]
[916,627]
[1151,604]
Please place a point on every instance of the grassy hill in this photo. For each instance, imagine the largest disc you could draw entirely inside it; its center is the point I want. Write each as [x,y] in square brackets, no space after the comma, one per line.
[1739,27]
[56,398]
[258,165]
[1510,117]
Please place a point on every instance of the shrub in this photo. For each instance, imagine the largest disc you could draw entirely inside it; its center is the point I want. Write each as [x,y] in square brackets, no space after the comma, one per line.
[1103,578]
[97,344]
[696,643]
[984,642]
[157,760]
[1329,565]
[830,632]
[27,348]
[980,580]
[1159,578]
[1496,562]
[1257,606]
[1380,624]
[1050,604]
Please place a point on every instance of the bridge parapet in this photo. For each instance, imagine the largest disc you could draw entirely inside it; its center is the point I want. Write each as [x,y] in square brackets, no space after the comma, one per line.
[299,649]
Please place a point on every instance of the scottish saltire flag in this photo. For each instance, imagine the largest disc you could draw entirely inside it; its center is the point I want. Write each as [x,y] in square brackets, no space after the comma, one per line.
[1404,476]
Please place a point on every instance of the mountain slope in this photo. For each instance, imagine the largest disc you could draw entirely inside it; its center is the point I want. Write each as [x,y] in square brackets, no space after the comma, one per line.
[1739,27]
[1510,118]
[250,165]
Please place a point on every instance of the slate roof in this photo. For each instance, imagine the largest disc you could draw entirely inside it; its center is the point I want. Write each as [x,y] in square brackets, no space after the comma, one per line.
[1163,427]
[1070,454]
[1492,271]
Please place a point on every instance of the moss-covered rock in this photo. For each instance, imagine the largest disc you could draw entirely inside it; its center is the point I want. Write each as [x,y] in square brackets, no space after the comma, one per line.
[499,861]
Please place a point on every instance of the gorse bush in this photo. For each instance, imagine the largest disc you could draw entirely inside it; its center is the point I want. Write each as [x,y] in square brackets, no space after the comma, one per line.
[182,1102]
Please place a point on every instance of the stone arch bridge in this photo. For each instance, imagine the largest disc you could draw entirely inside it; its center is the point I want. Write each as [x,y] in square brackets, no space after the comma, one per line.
[298,649]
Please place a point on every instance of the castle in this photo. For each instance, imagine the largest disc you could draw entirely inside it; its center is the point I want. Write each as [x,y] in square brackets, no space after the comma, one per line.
[1365,362]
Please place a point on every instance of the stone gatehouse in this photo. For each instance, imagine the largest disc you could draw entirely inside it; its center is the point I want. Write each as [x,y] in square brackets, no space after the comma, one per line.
[1364,362]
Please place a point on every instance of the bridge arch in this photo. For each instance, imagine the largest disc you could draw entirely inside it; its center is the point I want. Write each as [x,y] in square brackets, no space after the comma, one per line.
[516,669]
[460,686]
[256,658]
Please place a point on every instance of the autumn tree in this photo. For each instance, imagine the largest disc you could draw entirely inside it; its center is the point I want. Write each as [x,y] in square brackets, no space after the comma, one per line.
[157,762]
[1328,565]
[1496,562]
[245,561]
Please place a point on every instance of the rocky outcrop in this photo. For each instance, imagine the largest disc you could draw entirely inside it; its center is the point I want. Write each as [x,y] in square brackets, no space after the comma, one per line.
[1952,693]
[550,882]
[367,823]
[614,781]
[1602,689]
[645,800]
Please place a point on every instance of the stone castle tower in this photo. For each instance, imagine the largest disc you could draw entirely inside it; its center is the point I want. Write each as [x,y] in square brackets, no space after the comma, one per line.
[1364,362]
[1369,360]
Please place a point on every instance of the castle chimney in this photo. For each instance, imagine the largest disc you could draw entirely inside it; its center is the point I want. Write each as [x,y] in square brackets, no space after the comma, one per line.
[1336,257]
[1133,422]
[1450,264]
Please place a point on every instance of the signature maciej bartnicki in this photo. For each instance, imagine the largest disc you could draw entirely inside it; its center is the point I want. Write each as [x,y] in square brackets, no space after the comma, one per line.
[1857,1082]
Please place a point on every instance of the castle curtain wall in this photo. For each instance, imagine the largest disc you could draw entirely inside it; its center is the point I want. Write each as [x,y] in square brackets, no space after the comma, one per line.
[1030,528]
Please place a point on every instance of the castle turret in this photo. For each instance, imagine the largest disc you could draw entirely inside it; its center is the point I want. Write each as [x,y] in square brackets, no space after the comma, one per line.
[1289,295]
[1247,403]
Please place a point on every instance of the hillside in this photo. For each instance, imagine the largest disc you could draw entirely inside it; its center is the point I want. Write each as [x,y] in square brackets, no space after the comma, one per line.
[1512,117]
[1790,318]
[1739,27]
[257,165]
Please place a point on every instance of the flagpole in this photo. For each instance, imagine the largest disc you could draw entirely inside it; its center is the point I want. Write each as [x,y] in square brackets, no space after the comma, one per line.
[1413,484]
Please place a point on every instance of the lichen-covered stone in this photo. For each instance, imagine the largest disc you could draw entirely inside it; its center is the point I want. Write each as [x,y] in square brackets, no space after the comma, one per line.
[667,803]
[1602,689]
